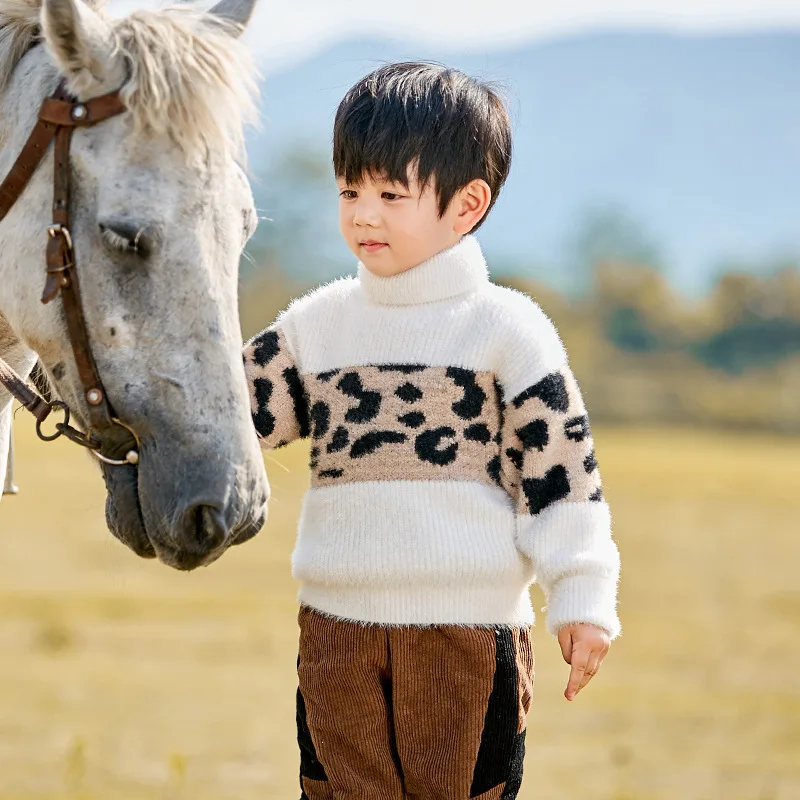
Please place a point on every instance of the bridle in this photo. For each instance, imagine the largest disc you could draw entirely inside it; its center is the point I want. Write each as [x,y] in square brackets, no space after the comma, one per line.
[59,115]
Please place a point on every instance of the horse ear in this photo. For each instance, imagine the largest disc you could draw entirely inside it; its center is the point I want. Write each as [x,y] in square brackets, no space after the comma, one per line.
[237,12]
[79,40]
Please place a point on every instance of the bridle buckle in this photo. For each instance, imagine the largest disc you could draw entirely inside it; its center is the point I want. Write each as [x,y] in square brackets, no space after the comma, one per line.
[57,229]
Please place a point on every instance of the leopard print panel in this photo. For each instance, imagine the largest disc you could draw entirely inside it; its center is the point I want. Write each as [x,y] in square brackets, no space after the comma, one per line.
[548,450]
[402,422]
[415,422]
[277,399]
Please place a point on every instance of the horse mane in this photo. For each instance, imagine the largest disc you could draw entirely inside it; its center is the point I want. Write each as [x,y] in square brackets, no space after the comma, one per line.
[19,29]
[189,78]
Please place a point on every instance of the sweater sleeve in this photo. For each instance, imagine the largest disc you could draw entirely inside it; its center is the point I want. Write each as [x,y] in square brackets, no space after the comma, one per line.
[550,470]
[277,397]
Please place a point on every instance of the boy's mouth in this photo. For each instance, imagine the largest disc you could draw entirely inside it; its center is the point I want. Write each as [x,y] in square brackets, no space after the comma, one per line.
[371,246]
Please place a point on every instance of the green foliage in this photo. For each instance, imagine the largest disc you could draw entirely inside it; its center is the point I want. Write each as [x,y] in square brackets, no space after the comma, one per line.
[628,330]
[751,343]
[644,354]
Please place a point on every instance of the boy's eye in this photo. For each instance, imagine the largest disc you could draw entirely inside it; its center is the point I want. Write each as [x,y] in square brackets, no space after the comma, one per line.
[347,193]
[390,196]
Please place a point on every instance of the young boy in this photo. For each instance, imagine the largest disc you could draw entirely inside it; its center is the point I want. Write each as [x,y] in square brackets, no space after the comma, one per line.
[451,465]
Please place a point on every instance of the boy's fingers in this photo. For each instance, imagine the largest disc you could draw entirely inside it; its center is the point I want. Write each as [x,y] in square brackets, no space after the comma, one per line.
[591,669]
[580,660]
[565,642]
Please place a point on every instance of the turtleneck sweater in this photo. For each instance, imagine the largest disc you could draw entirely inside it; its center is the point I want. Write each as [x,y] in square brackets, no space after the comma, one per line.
[452,464]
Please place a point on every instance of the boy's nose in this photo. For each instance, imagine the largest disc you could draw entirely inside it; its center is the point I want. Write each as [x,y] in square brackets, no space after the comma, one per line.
[365,214]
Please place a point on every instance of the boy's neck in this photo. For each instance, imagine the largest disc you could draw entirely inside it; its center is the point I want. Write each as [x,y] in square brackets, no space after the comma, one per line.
[460,269]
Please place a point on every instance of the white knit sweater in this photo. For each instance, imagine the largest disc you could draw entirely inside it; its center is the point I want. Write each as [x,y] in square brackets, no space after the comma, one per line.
[451,462]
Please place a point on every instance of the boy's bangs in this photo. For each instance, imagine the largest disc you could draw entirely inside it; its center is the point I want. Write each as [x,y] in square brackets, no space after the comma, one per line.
[376,154]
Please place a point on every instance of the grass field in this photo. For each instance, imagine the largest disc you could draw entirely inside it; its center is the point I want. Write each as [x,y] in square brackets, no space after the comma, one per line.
[123,680]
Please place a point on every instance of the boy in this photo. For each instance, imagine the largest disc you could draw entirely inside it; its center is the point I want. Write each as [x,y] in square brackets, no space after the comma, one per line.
[451,465]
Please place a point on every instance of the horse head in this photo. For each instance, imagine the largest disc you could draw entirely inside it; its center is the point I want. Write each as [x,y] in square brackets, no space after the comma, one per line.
[160,212]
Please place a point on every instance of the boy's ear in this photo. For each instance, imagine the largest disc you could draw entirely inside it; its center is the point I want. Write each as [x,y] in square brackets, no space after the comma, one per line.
[472,203]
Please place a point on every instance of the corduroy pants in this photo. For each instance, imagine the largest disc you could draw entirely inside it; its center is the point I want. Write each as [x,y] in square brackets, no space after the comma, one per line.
[429,713]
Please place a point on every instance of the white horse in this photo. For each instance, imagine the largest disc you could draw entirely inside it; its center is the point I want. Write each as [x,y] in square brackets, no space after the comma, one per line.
[161,315]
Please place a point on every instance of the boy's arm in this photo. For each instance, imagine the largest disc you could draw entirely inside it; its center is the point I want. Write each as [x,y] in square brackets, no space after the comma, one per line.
[550,470]
[277,398]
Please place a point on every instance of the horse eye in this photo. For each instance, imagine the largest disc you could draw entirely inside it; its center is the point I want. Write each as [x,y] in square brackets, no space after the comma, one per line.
[125,238]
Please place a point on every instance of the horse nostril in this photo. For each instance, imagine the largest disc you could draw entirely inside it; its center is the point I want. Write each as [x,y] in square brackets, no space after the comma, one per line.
[206,526]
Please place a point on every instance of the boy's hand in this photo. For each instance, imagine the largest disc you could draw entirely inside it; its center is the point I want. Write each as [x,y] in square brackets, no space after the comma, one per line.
[584,647]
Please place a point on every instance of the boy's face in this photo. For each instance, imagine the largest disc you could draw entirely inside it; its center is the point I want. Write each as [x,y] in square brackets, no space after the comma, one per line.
[391,228]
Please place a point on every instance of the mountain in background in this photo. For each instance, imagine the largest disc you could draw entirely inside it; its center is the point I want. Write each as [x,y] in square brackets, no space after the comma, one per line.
[693,142]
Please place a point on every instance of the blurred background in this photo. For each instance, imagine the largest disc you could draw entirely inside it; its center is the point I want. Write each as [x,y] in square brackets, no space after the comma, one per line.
[653,210]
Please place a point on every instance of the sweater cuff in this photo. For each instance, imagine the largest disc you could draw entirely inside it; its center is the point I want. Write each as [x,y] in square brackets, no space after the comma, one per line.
[584,598]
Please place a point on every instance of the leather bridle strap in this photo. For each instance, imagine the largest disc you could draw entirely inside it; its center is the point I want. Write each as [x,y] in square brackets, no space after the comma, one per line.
[56,111]
[60,256]
[31,154]
[59,115]
[32,401]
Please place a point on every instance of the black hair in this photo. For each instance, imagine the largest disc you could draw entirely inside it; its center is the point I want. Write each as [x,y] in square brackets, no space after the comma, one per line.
[450,126]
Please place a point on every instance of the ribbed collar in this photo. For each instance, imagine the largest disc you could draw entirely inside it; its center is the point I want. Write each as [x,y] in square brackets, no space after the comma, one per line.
[459,270]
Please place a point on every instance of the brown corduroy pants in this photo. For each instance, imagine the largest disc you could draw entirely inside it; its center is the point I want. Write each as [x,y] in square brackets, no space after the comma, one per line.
[429,713]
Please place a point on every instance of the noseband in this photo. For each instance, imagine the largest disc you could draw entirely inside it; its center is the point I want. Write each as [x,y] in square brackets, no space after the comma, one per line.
[59,115]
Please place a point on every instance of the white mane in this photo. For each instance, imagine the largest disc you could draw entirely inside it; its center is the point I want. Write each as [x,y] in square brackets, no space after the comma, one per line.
[189,78]
[19,28]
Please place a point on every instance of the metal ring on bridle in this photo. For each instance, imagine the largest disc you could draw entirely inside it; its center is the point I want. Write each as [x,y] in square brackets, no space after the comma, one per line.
[59,432]
[131,457]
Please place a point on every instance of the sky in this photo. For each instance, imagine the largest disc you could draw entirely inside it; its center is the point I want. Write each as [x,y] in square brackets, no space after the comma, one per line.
[285,31]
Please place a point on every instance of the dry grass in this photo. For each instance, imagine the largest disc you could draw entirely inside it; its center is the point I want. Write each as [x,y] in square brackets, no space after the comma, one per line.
[123,680]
